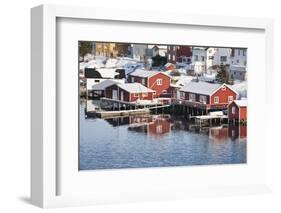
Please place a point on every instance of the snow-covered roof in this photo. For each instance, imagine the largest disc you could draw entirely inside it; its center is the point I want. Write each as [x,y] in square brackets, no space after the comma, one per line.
[201,87]
[241,103]
[102,85]
[145,73]
[107,72]
[134,88]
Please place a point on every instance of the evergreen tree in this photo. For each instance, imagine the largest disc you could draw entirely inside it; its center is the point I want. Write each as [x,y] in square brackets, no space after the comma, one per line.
[84,48]
[222,75]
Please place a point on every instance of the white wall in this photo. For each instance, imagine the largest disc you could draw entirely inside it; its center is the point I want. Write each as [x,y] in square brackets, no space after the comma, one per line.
[15,114]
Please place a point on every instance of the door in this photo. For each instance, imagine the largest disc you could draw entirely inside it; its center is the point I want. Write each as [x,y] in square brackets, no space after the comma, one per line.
[114,94]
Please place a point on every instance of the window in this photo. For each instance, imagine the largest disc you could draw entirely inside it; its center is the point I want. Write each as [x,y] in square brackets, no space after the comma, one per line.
[97,81]
[211,57]
[182,95]
[244,52]
[132,79]
[169,56]
[164,91]
[223,58]
[216,100]
[196,58]
[159,81]
[237,61]
[144,94]
[233,110]
[174,57]
[143,81]
[159,129]
[192,97]
[202,58]
[230,99]
[203,99]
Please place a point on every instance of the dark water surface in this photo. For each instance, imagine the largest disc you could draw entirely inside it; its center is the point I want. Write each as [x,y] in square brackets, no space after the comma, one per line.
[156,141]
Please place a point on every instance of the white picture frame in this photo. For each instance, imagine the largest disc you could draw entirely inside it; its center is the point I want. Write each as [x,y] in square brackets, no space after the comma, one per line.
[44,134]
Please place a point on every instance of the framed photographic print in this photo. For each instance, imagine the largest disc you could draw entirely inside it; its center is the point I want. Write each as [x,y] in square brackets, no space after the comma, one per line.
[131,106]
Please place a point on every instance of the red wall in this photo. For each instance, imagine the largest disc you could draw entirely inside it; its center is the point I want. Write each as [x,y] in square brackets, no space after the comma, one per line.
[149,97]
[159,124]
[151,83]
[243,131]
[243,113]
[223,95]
[159,88]
[230,114]
[218,134]
[108,92]
[127,96]
[184,51]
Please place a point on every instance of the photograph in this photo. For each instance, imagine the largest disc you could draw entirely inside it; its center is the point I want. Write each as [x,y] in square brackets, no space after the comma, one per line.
[160,105]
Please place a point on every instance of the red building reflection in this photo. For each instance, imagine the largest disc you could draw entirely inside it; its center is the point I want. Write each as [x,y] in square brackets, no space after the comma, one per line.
[156,125]
[220,134]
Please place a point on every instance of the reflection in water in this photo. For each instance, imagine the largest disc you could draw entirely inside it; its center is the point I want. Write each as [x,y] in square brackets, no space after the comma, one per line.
[133,142]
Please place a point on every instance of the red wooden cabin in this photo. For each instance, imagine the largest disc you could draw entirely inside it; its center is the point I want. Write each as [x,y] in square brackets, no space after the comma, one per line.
[155,80]
[237,110]
[207,96]
[129,92]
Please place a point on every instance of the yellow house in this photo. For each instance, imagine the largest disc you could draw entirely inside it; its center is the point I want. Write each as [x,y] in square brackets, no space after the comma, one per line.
[106,49]
[111,49]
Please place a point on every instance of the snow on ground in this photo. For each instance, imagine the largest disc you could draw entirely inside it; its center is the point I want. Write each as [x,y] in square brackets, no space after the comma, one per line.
[241,88]
[126,63]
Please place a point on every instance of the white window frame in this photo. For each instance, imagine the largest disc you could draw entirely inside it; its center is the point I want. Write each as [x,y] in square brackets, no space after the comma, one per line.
[230,99]
[143,81]
[132,79]
[203,99]
[159,129]
[159,82]
[216,100]
[233,110]
[191,97]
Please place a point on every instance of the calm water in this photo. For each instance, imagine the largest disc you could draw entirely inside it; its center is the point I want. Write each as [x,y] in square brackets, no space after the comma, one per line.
[155,141]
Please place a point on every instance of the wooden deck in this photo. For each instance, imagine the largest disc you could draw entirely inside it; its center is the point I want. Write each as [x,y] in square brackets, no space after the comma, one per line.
[113,114]
[209,119]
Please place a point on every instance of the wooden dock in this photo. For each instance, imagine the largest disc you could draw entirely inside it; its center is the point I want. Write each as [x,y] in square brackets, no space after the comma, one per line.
[210,118]
[111,114]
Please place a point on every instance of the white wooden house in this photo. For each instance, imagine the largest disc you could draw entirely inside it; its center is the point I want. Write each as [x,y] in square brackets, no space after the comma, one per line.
[199,60]
[217,56]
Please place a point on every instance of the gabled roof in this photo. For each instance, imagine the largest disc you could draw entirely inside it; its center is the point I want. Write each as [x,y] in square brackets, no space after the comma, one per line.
[145,73]
[241,103]
[102,85]
[134,88]
[203,88]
